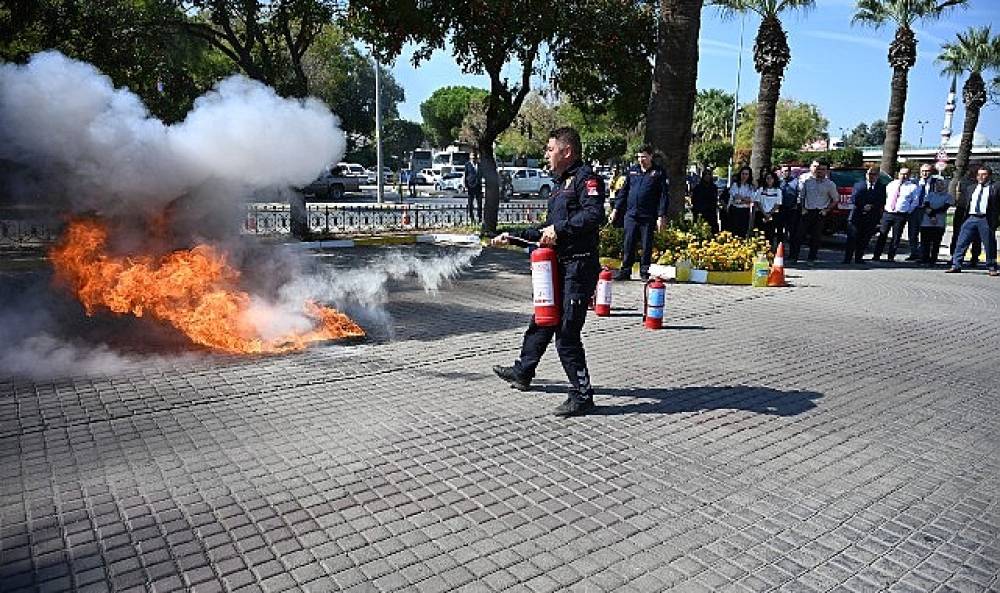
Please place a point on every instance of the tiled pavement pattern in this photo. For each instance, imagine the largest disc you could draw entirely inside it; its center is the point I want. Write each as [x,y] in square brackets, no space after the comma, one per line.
[841,435]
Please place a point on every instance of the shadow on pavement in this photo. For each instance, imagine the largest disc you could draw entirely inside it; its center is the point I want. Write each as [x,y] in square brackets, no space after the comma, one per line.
[761,400]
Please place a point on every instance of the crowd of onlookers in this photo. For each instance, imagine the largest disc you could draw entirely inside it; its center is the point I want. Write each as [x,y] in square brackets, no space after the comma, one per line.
[793,209]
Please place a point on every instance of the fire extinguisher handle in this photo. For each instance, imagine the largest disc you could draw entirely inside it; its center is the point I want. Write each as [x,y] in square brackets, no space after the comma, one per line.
[522,242]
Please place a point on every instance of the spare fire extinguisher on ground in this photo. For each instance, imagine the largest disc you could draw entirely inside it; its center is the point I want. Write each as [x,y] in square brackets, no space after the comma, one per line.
[654,302]
[602,298]
[545,286]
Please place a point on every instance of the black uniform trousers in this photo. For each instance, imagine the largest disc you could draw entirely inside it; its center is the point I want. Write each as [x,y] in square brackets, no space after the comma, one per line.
[956,229]
[890,220]
[811,225]
[860,231]
[578,279]
[638,231]
[475,195]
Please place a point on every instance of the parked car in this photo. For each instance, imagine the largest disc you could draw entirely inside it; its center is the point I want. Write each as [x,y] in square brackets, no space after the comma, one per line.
[432,176]
[451,182]
[372,175]
[528,181]
[353,170]
[332,184]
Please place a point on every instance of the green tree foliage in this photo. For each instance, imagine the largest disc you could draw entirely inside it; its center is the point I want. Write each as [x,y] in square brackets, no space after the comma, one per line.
[125,40]
[445,110]
[603,64]
[529,132]
[713,113]
[712,154]
[400,136]
[344,78]
[795,125]
[267,40]
[867,135]
[501,40]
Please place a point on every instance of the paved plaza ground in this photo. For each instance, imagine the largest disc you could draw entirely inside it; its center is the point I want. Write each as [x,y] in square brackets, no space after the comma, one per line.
[838,435]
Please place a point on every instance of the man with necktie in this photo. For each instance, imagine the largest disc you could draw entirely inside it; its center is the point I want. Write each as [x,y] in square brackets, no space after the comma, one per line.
[868,198]
[916,219]
[984,214]
[899,204]
[961,213]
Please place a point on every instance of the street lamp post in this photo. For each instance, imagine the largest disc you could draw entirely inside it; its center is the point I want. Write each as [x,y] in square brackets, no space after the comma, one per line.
[380,191]
[736,98]
[922,122]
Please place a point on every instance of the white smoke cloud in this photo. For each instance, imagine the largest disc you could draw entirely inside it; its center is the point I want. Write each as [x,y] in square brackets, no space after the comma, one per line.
[362,291]
[46,357]
[65,122]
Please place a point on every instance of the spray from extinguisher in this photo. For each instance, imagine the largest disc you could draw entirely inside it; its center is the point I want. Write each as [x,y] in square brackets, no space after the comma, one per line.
[654,302]
[544,282]
[602,298]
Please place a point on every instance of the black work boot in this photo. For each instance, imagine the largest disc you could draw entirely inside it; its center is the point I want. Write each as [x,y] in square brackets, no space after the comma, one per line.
[509,374]
[576,404]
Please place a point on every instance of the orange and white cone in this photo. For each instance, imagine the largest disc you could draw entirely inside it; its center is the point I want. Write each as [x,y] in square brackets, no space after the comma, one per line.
[777,275]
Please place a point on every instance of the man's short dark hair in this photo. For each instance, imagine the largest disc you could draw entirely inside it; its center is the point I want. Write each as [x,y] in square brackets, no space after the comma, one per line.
[569,137]
[823,163]
[984,168]
[646,148]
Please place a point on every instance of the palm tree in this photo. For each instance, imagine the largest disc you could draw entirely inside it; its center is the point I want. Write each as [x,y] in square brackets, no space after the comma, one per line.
[974,51]
[713,110]
[902,55]
[672,98]
[770,58]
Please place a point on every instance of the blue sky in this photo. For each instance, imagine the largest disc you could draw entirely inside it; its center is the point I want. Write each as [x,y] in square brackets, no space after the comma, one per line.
[837,66]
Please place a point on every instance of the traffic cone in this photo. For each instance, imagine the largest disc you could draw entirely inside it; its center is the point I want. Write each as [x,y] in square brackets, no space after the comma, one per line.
[777,275]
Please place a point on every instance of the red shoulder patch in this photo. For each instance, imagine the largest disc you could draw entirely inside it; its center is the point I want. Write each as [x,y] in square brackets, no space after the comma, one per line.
[592,187]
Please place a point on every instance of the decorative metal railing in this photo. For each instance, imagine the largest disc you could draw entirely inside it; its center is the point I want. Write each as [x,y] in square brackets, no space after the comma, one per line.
[276,218]
[17,233]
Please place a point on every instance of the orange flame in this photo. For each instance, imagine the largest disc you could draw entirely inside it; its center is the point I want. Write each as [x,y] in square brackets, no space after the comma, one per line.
[192,290]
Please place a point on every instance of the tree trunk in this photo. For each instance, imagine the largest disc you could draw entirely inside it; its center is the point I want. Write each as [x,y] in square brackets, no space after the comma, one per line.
[488,173]
[671,102]
[974,96]
[894,121]
[763,133]
[965,146]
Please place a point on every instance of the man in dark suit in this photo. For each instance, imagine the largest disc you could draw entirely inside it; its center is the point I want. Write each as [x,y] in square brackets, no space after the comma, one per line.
[644,200]
[961,213]
[983,199]
[868,197]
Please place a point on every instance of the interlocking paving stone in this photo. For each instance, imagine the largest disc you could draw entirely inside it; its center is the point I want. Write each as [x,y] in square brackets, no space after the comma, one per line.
[839,435]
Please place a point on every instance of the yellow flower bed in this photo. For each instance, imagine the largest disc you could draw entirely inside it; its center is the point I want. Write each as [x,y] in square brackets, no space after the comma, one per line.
[724,253]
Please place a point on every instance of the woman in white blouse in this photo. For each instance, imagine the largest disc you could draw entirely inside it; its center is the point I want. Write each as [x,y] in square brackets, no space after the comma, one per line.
[768,201]
[741,193]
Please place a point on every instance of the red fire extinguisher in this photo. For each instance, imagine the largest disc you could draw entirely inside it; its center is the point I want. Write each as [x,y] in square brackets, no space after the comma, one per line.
[654,299]
[545,285]
[602,302]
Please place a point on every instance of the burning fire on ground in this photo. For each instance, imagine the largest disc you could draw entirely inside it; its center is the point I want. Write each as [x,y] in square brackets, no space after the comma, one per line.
[193,290]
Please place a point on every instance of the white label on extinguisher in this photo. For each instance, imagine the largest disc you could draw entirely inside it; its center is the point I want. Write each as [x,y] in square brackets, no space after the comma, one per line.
[541,283]
[603,292]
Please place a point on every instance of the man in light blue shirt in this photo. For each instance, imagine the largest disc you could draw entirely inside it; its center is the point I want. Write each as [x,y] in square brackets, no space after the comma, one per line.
[915,221]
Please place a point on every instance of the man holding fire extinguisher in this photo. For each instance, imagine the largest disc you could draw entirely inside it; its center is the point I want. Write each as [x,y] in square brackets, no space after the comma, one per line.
[575,216]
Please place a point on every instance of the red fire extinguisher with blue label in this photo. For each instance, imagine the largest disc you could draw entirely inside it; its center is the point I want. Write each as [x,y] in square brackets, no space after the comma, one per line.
[654,302]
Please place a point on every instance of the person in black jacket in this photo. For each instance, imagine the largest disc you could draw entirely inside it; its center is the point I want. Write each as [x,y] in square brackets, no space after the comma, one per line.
[575,216]
[705,200]
[868,197]
[644,200]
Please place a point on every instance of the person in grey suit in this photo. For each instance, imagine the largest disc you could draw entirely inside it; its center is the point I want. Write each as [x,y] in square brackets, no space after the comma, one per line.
[983,200]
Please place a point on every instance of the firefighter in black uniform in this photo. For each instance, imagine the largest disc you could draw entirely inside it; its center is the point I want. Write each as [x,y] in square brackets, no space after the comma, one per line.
[643,199]
[575,216]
